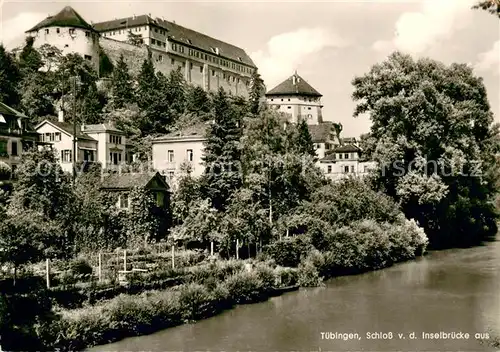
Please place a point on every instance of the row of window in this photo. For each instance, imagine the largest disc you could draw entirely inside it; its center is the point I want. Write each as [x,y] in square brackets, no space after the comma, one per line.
[277,106]
[305,99]
[344,156]
[171,157]
[345,169]
[13,148]
[50,137]
[225,76]
[70,30]
[114,139]
[211,58]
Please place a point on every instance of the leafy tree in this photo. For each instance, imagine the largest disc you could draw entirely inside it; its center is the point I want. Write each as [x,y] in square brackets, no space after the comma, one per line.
[91,108]
[435,144]
[37,98]
[492,6]
[185,194]
[121,86]
[51,57]
[222,153]
[337,130]
[257,91]
[30,59]
[279,177]
[96,222]
[9,76]
[74,66]
[42,188]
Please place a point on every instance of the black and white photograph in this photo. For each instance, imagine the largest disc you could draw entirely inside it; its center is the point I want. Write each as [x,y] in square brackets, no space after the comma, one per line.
[250,176]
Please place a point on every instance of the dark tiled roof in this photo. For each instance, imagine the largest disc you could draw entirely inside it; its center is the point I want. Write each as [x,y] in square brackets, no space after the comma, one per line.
[68,128]
[67,17]
[321,133]
[347,148]
[127,181]
[198,130]
[100,127]
[294,85]
[180,34]
[7,110]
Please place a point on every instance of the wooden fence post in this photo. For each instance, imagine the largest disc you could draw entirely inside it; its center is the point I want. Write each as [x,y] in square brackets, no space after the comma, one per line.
[237,249]
[173,257]
[99,270]
[124,260]
[47,271]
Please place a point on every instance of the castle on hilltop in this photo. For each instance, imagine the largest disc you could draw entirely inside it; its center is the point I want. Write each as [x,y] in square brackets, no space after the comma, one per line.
[204,61]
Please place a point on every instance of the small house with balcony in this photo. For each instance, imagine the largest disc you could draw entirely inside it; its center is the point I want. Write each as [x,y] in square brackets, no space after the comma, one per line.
[16,135]
[102,143]
[59,134]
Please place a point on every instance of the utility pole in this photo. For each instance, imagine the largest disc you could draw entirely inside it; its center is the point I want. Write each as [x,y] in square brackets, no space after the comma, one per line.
[74,128]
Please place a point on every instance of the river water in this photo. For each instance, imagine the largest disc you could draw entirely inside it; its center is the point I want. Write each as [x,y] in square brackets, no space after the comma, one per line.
[449,291]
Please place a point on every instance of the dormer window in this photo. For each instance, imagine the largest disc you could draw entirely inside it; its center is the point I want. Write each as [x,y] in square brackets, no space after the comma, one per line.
[71,31]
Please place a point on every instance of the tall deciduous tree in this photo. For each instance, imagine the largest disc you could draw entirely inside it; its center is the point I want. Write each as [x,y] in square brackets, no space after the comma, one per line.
[222,152]
[29,58]
[435,144]
[42,188]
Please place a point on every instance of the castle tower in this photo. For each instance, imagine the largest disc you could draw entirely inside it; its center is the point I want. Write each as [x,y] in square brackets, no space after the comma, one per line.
[68,32]
[298,98]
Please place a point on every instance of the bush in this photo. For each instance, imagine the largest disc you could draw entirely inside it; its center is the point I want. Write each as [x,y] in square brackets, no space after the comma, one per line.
[351,200]
[286,276]
[244,287]
[308,275]
[289,251]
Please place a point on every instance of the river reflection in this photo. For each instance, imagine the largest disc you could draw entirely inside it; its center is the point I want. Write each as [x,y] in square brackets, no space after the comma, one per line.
[450,291]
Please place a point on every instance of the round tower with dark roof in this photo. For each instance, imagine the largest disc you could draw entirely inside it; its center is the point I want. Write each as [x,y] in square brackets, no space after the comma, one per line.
[68,32]
[298,98]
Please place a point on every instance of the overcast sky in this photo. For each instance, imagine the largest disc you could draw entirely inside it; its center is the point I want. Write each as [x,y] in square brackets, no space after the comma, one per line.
[328,42]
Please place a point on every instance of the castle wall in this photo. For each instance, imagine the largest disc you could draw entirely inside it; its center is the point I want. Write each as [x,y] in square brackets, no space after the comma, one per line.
[195,72]
[133,55]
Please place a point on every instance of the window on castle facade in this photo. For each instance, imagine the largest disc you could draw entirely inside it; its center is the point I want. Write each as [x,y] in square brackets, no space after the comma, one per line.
[329,169]
[46,31]
[87,34]
[201,69]
[58,30]
[88,57]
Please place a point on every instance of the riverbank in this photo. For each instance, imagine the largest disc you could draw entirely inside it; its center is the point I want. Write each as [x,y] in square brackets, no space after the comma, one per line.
[217,286]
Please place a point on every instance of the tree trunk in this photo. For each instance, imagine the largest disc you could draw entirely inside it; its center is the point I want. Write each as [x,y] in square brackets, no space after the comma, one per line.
[15,275]
[248,246]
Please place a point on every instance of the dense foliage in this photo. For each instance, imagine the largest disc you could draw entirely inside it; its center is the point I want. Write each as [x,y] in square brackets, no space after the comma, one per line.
[433,139]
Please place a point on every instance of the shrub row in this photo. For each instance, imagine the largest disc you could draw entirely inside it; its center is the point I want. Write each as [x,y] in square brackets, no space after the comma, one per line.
[362,246]
[150,311]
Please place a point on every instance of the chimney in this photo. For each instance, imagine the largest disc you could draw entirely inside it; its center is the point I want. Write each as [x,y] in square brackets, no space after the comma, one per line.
[133,17]
[60,116]
[294,80]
